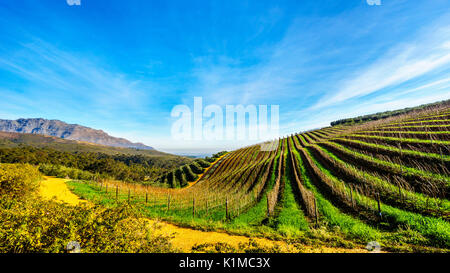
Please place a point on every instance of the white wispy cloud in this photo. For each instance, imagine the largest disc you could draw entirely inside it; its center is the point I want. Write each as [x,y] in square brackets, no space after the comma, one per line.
[277,73]
[400,64]
[55,78]
[441,83]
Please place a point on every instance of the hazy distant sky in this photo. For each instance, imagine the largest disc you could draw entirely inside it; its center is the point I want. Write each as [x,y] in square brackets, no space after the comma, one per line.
[121,66]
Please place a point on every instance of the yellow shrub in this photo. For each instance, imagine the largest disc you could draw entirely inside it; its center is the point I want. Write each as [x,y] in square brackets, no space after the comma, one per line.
[17,180]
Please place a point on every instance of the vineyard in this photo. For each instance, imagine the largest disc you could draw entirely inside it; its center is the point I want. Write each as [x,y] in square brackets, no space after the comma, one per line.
[385,180]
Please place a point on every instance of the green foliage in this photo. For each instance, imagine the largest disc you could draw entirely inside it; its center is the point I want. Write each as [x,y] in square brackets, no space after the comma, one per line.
[214,157]
[196,168]
[131,168]
[63,172]
[184,174]
[219,154]
[291,219]
[210,159]
[352,227]
[171,180]
[203,163]
[386,114]
[435,229]
[181,177]
[190,175]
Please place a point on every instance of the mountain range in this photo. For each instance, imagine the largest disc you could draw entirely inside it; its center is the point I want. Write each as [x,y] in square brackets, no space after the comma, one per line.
[64,130]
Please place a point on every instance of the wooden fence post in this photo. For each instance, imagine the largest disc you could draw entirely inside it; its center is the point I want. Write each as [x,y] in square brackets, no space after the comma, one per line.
[379,205]
[146,197]
[226,208]
[351,196]
[168,202]
[193,207]
[128,195]
[117,192]
[315,213]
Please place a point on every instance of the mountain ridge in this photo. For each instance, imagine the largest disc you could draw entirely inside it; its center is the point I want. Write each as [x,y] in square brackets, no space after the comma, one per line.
[58,128]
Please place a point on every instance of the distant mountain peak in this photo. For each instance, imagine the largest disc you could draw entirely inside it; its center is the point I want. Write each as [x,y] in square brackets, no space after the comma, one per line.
[64,130]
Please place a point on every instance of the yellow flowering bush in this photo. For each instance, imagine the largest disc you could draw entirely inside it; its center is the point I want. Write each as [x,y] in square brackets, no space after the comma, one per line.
[17,180]
[47,226]
[34,225]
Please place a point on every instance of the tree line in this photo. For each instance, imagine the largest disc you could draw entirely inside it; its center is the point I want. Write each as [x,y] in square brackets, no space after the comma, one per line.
[87,165]
[387,114]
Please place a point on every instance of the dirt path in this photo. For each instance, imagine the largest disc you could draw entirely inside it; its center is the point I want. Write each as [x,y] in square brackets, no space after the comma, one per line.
[185,238]
[52,187]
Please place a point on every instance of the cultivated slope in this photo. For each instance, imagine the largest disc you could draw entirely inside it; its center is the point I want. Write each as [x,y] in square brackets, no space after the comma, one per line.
[386,181]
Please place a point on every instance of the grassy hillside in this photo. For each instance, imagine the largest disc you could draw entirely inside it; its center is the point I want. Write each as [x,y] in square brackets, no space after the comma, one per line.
[11,140]
[66,158]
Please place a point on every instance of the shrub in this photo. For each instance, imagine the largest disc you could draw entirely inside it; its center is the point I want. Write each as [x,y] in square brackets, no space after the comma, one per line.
[46,226]
[196,168]
[210,159]
[62,172]
[180,178]
[190,175]
[203,163]
[16,180]
[32,225]
[171,179]
[219,154]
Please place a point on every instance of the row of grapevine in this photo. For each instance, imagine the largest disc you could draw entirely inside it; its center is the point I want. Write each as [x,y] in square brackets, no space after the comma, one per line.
[368,176]
[360,177]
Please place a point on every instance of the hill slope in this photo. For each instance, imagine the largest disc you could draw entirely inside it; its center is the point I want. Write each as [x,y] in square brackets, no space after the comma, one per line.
[387,114]
[386,181]
[81,160]
[64,130]
[12,140]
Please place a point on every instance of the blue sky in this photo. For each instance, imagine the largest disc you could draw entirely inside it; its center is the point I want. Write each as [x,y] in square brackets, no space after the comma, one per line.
[121,66]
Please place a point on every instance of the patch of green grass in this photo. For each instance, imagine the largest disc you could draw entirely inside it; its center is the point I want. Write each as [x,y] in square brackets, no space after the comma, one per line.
[214,221]
[291,219]
[255,215]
